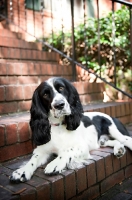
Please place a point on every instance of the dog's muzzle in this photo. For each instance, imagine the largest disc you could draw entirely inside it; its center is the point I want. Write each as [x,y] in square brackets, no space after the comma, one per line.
[59,105]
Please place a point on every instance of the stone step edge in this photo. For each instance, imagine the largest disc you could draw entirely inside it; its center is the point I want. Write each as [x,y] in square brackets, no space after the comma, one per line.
[90,181]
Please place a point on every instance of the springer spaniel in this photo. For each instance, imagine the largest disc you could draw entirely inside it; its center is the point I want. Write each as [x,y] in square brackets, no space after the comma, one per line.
[60,127]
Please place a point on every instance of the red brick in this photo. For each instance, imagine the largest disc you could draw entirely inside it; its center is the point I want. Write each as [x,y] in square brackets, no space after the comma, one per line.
[49,69]
[28,54]
[27,92]
[43,193]
[99,167]
[118,111]
[27,79]
[15,150]
[11,53]
[79,87]
[8,107]
[17,53]
[113,112]
[92,193]
[23,131]
[2,135]
[33,88]
[123,161]
[28,194]
[70,183]
[37,70]
[108,111]
[24,67]
[58,194]
[91,175]
[108,165]
[34,54]
[8,152]
[129,156]
[111,181]
[127,109]
[102,110]
[23,53]
[9,91]
[81,179]
[25,148]
[128,171]
[4,80]
[2,93]
[4,52]
[116,163]
[18,93]
[3,68]
[11,134]
[10,69]
[24,105]
[43,68]
[107,161]
[122,107]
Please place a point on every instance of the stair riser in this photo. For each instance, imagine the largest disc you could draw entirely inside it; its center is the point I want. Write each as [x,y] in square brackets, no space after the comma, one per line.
[12,42]
[17,98]
[24,54]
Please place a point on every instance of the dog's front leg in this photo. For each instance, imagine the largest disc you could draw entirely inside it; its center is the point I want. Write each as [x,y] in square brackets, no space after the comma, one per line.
[68,158]
[25,172]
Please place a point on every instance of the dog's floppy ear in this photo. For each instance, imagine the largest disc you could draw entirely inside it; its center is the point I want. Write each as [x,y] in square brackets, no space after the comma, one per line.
[39,122]
[73,120]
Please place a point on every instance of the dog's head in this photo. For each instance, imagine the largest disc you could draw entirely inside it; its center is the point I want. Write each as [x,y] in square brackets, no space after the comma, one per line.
[56,96]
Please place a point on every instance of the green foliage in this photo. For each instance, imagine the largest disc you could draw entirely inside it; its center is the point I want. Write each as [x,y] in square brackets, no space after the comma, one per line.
[112,44]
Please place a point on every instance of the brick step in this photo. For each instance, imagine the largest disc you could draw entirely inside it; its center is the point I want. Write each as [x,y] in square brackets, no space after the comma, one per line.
[19,43]
[90,181]
[7,33]
[16,91]
[28,68]
[27,54]
[15,135]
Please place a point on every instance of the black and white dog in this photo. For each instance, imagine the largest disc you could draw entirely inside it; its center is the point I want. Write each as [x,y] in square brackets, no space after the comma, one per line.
[60,127]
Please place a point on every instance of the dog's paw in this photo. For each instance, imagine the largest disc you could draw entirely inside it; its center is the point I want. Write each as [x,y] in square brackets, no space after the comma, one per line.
[103,139]
[20,175]
[119,151]
[55,167]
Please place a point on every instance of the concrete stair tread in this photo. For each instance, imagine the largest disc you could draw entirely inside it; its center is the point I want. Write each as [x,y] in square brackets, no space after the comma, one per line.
[103,171]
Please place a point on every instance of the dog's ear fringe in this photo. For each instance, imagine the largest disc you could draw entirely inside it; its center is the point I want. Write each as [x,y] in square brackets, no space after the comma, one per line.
[39,122]
[73,120]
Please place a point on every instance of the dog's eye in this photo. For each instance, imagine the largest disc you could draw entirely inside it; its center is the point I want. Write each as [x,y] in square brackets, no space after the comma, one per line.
[45,95]
[61,89]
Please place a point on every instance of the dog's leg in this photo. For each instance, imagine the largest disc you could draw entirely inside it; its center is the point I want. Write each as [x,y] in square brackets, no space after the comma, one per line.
[119,149]
[116,134]
[68,157]
[25,172]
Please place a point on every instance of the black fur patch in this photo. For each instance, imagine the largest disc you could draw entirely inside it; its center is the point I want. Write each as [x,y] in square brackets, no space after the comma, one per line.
[101,124]
[86,121]
[120,126]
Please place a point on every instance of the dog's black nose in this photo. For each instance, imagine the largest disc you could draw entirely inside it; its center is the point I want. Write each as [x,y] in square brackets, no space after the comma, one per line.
[59,105]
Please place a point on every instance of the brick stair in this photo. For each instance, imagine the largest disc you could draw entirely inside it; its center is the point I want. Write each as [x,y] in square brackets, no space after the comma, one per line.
[23,66]
[15,135]
[102,172]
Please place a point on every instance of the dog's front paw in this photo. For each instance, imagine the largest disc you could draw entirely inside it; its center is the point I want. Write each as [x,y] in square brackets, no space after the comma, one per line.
[20,175]
[119,151]
[55,167]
